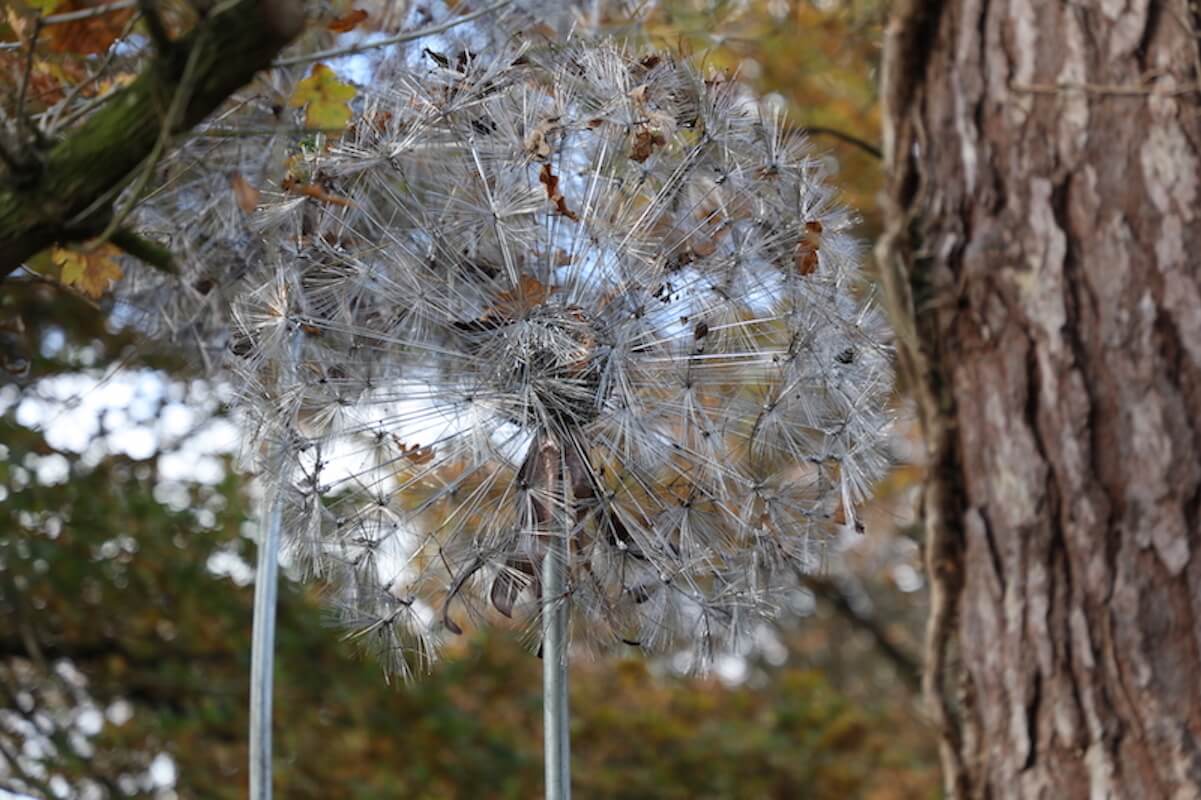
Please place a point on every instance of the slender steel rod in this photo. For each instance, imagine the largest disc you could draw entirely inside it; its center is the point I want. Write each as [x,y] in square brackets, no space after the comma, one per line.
[262,652]
[266,594]
[555,709]
[555,608]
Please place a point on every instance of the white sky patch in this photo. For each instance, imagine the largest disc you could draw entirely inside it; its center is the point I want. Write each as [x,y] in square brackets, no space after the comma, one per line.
[162,771]
[140,413]
[52,469]
[70,410]
[731,669]
[120,712]
[89,721]
[232,566]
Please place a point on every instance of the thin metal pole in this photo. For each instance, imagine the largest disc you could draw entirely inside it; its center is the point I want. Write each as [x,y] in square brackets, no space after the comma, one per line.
[266,593]
[262,652]
[554,672]
[555,608]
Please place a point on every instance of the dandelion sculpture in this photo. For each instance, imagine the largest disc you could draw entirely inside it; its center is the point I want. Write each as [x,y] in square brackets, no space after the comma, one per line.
[575,337]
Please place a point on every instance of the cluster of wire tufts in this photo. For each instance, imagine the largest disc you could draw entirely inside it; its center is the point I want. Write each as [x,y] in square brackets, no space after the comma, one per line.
[584,296]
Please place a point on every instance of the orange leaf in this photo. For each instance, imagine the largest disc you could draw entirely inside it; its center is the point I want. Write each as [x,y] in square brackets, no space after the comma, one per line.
[645,142]
[347,22]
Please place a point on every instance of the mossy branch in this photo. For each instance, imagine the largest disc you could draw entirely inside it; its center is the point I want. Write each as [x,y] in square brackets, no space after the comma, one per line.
[70,196]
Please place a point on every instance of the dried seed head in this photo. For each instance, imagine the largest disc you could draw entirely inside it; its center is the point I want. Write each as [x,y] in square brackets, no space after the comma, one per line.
[577,292]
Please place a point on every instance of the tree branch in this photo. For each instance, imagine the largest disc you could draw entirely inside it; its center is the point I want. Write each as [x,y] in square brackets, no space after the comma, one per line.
[154,24]
[907,667]
[93,162]
[151,253]
[842,136]
[33,44]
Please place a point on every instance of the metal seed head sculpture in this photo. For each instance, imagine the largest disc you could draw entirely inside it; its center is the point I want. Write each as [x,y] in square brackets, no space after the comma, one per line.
[572,332]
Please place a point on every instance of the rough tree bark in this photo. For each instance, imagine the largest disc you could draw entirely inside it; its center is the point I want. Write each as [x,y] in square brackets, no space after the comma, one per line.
[1041,257]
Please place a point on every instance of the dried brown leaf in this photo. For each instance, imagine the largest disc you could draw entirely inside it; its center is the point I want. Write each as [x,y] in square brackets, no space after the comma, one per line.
[645,141]
[805,256]
[246,196]
[314,191]
[512,303]
[90,36]
[347,22]
[551,182]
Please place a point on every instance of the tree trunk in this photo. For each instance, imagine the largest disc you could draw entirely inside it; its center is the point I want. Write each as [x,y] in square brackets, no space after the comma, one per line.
[1040,255]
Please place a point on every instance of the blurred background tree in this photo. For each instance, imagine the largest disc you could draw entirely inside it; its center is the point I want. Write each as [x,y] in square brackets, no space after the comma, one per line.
[821,57]
[125,580]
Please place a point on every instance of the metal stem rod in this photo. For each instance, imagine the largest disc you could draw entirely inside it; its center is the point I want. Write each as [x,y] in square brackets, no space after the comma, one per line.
[262,652]
[555,610]
[266,593]
[555,710]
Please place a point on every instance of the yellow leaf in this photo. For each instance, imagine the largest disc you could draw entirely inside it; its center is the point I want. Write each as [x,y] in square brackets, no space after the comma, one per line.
[91,272]
[328,99]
